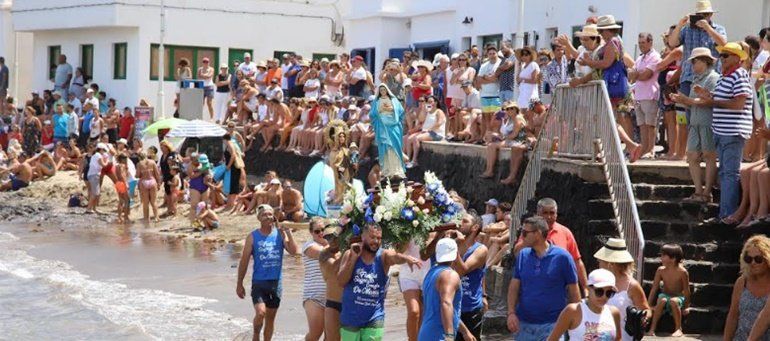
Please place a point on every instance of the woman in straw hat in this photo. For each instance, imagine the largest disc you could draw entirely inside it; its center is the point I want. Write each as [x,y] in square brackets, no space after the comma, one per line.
[529,74]
[615,257]
[421,81]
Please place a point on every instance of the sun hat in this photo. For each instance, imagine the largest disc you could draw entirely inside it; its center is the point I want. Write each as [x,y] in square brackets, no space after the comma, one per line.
[123,141]
[424,63]
[334,62]
[733,48]
[324,60]
[614,251]
[446,250]
[223,66]
[530,49]
[455,55]
[247,55]
[407,82]
[352,107]
[331,230]
[101,145]
[703,6]
[511,105]
[262,63]
[701,52]
[601,278]
[607,22]
[275,182]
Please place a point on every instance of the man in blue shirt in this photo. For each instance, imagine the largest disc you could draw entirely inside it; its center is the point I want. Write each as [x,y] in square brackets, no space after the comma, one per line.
[85,125]
[60,119]
[266,245]
[544,282]
[702,33]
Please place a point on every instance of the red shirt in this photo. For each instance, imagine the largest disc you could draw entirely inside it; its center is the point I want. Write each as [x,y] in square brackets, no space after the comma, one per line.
[46,137]
[125,126]
[562,237]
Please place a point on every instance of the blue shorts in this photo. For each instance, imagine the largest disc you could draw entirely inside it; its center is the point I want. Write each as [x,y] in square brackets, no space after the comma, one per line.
[17,184]
[506,95]
[208,92]
[490,104]
[435,136]
[267,292]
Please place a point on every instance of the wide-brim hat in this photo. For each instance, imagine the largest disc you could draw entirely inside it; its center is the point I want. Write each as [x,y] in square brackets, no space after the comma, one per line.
[262,63]
[607,22]
[424,63]
[733,48]
[532,51]
[588,31]
[703,7]
[700,52]
[614,251]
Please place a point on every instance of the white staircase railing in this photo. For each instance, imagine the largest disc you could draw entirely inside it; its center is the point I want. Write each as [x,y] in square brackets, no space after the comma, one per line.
[581,123]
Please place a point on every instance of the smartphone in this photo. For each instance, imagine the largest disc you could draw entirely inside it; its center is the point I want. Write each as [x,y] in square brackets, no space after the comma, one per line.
[694,18]
[356,248]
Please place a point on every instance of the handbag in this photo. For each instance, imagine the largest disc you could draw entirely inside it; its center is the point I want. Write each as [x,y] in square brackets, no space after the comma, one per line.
[616,78]
[635,322]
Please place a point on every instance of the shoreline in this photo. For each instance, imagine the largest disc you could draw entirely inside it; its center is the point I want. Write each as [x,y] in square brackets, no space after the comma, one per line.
[43,205]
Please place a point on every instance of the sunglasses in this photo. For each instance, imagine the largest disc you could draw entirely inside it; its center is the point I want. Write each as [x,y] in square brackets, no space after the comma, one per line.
[604,292]
[756,259]
[509,108]
[317,231]
[523,233]
[724,55]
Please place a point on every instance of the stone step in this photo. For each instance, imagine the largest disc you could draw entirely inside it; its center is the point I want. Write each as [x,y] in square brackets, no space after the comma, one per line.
[699,320]
[678,231]
[709,251]
[704,295]
[657,209]
[668,192]
[700,271]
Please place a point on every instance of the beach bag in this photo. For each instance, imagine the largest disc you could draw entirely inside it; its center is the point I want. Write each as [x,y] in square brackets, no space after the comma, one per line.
[635,322]
[615,77]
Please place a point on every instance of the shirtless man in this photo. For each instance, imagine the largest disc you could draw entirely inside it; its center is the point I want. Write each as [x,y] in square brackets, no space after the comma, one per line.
[21,174]
[44,165]
[293,206]
[329,260]
[260,195]
[75,156]
[274,198]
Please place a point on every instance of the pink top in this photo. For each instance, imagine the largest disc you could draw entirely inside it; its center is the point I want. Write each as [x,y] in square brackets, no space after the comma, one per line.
[647,90]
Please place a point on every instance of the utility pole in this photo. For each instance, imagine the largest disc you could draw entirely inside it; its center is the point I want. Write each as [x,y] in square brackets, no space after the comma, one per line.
[161,67]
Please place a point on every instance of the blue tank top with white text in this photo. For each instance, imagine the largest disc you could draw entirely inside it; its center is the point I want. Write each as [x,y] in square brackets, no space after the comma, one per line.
[363,300]
[473,293]
[268,255]
[431,327]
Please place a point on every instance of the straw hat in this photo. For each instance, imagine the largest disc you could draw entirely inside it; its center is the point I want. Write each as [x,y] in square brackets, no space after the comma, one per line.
[607,22]
[588,31]
[733,48]
[304,63]
[703,7]
[424,63]
[262,63]
[532,52]
[701,52]
[614,251]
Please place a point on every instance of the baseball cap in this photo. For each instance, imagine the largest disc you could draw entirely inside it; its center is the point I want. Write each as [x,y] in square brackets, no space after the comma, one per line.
[358,58]
[492,202]
[247,55]
[446,251]
[601,278]
[275,182]
[101,146]
[90,91]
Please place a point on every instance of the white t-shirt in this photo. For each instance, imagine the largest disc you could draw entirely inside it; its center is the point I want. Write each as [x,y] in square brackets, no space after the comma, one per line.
[75,102]
[453,90]
[582,70]
[261,112]
[248,69]
[313,82]
[273,92]
[359,74]
[284,81]
[489,89]
[758,63]
[487,219]
[94,167]
[94,102]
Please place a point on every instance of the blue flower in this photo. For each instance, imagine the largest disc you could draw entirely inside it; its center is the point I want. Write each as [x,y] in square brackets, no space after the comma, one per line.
[356,230]
[369,215]
[407,214]
[441,199]
[451,209]
[432,187]
[369,199]
[446,217]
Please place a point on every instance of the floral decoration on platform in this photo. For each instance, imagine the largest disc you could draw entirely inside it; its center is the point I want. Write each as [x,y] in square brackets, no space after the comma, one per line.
[407,212]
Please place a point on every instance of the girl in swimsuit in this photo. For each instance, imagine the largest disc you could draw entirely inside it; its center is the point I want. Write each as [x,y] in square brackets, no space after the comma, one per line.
[149,178]
[121,174]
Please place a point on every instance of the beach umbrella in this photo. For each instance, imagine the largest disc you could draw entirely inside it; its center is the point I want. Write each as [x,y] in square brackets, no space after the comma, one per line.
[196,128]
[166,123]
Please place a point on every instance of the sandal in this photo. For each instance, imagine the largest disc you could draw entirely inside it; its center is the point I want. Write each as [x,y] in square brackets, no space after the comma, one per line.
[695,197]
[729,220]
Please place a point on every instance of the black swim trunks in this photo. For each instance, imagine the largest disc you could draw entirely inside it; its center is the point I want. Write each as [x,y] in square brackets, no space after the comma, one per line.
[267,292]
[334,305]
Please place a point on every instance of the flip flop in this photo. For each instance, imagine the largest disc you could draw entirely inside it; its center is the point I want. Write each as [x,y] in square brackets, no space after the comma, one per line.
[729,221]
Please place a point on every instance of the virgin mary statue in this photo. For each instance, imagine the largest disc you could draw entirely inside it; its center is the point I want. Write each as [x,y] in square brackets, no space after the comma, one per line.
[387,117]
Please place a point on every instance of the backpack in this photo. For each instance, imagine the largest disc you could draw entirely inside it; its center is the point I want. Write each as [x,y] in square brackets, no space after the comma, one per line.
[635,322]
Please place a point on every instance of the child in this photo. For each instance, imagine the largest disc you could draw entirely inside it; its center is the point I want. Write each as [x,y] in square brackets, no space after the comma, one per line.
[207,217]
[176,193]
[121,187]
[675,295]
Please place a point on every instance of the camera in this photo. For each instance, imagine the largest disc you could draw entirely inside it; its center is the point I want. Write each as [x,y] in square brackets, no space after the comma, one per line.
[694,18]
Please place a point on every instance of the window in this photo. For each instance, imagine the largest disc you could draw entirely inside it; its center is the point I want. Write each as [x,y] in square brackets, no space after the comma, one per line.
[279,54]
[174,53]
[53,60]
[576,39]
[87,60]
[526,38]
[236,54]
[329,56]
[491,40]
[119,60]
[466,43]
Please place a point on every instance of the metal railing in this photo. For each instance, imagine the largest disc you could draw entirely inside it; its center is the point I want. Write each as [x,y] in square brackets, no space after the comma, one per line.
[581,124]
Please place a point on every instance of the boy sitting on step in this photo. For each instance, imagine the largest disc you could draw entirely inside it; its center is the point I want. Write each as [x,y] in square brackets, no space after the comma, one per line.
[675,282]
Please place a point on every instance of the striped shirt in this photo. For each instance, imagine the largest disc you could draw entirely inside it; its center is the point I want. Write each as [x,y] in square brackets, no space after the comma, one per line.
[730,122]
[313,283]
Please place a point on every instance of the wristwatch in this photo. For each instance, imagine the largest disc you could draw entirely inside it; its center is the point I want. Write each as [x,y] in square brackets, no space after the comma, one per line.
[449,337]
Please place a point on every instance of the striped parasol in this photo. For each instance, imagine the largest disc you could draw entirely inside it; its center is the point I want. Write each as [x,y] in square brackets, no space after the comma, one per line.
[167,123]
[196,128]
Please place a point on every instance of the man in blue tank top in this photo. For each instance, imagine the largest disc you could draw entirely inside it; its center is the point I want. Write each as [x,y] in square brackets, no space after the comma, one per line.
[364,274]
[266,245]
[442,295]
[471,266]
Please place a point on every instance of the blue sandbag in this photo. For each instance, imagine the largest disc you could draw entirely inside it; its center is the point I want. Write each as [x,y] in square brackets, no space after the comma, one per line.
[219,172]
[318,182]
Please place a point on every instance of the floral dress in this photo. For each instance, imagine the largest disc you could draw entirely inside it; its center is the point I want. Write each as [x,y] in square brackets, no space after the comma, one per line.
[31,138]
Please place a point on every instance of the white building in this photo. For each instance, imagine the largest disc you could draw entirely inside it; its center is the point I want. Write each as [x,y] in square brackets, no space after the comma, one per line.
[115,42]
[380,29]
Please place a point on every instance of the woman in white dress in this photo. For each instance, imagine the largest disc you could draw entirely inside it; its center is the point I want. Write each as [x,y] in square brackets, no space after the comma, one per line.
[529,73]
